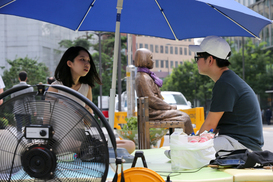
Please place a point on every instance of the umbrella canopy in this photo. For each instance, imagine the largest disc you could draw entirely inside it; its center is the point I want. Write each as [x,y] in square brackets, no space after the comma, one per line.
[171,19]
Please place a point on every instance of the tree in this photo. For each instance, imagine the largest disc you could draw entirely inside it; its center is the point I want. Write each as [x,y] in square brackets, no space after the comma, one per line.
[258,67]
[186,79]
[37,72]
[107,53]
[78,42]
[258,74]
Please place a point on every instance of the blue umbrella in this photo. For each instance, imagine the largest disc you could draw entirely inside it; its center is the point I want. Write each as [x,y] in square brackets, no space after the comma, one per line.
[171,19]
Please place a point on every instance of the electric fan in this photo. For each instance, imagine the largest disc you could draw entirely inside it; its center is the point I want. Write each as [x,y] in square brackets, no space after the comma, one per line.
[47,136]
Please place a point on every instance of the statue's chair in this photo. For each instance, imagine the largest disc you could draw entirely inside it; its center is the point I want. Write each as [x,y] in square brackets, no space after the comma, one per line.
[144,124]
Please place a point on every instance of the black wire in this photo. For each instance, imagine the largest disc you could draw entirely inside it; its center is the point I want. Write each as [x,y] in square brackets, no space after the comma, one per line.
[14,157]
[178,173]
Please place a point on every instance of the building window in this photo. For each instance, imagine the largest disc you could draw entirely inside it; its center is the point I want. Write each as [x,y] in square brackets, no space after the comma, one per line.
[161,49]
[146,46]
[189,52]
[176,64]
[176,50]
[181,63]
[156,63]
[156,48]
[171,49]
[140,45]
[171,64]
[180,50]
[167,64]
[152,48]
[166,50]
[185,51]
[162,64]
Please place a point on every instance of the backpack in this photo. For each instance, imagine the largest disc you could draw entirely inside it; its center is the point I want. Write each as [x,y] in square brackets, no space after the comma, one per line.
[242,158]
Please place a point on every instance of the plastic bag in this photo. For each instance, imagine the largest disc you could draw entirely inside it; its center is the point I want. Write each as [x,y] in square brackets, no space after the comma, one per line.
[191,155]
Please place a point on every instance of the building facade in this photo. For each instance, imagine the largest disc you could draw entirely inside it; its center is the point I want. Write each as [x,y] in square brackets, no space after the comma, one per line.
[246,2]
[265,8]
[21,37]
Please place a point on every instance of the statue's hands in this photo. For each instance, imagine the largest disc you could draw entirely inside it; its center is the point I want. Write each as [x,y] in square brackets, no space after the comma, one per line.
[173,107]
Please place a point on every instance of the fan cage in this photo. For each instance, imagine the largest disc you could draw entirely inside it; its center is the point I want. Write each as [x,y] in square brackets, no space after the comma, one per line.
[78,141]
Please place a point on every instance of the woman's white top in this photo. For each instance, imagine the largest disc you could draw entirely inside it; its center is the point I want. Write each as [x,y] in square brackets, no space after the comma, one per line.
[2,85]
[83,90]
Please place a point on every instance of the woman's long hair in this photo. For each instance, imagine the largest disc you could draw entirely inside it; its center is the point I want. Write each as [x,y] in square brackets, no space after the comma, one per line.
[63,73]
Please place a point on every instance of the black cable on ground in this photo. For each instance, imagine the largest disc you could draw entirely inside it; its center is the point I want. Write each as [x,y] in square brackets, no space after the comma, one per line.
[177,173]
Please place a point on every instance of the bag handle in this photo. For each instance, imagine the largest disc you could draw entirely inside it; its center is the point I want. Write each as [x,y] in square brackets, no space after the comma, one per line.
[119,161]
[231,152]
[139,154]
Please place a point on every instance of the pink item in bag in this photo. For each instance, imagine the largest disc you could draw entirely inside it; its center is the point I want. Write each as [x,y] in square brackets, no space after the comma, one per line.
[193,139]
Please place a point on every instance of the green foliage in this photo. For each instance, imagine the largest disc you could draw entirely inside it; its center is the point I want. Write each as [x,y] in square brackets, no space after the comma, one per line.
[66,43]
[258,74]
[3,122]
[37,72]
[80,41]
[131,124]
[258,67]
[107,53]
[186,79]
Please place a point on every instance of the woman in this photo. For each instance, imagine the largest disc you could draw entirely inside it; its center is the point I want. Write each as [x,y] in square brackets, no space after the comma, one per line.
[77,70]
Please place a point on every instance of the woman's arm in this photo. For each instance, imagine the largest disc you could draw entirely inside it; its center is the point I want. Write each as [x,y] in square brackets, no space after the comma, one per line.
[1,91]
[89,96]
[51,89]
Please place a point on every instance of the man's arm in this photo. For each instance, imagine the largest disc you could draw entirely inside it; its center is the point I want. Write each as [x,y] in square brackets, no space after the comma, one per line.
[1,91]
[211,121]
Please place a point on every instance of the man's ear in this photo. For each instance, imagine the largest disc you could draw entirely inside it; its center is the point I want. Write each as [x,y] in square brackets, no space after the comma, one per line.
[211,60]
[69,63]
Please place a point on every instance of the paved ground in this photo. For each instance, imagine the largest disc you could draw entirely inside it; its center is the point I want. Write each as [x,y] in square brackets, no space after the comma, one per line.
[268,138]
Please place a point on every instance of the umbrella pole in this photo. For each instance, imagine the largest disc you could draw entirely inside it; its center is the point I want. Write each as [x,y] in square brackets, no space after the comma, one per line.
[243,57]
[114,73]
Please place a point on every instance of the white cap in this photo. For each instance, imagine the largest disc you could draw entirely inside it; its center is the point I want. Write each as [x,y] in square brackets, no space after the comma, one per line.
[213,45]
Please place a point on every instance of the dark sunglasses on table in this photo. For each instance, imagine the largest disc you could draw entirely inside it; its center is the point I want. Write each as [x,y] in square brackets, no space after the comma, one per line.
[198,57]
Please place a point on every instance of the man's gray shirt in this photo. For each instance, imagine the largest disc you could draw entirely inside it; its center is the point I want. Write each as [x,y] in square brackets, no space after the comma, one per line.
[242,116]
[21,106]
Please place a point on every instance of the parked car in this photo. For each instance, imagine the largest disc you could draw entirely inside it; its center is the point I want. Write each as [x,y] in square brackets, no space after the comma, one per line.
[124,101]
[172,98]
[176,98]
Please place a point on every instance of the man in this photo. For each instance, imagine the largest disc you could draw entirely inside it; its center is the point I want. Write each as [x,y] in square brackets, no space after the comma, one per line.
[49,81]
[21,110]
[268,115]
[2,86]
[234,110]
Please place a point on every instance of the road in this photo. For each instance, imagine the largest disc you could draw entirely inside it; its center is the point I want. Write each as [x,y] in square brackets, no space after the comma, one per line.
[268,136]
